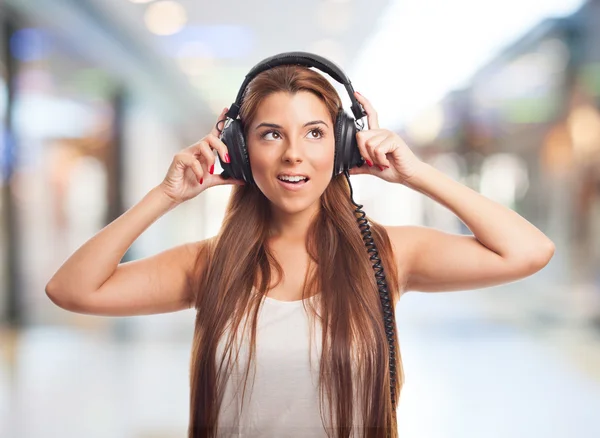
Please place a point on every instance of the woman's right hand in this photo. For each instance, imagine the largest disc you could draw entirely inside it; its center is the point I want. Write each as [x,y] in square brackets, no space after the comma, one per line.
[190,172]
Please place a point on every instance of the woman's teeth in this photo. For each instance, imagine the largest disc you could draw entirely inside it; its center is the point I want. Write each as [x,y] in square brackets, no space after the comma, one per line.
[288,184]
[293,181]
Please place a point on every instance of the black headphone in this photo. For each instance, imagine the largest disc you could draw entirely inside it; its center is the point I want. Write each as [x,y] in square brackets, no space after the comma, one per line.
[347,156]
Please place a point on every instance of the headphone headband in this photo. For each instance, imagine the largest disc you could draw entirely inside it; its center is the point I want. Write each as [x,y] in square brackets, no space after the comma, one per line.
[298,58]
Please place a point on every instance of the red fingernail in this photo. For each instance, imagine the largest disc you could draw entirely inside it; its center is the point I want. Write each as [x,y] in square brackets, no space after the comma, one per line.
[212,169]
[227,158]
[380,168]
[369,163]
[201,180]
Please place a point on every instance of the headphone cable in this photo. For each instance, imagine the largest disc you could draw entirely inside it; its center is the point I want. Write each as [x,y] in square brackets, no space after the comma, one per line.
[384,295]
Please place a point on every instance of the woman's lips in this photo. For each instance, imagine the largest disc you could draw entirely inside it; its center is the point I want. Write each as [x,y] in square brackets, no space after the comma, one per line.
[293,187]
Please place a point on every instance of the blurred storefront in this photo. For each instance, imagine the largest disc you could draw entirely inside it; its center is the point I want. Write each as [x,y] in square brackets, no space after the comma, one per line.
[65,126]
[584,127]
[439,135]
[528,136]
[517,106]
[86,133]
[65,165]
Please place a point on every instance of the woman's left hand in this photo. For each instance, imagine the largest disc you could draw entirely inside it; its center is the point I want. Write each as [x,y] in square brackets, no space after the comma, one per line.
[384,149]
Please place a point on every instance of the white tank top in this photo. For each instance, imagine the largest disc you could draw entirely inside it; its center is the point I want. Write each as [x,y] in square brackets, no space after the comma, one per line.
[284,401]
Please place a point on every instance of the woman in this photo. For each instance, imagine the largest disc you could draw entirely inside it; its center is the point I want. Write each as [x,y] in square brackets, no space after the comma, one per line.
[290,262]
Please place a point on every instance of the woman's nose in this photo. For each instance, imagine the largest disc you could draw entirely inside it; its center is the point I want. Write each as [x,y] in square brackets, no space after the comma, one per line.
[292,151]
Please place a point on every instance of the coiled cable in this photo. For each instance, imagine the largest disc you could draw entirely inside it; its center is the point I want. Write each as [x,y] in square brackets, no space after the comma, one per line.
[384,296]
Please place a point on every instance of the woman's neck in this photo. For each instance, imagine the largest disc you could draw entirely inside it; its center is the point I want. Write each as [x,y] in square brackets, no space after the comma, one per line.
[292,227]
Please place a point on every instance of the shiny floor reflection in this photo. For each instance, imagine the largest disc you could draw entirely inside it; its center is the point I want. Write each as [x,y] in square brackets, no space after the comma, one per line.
[469,373]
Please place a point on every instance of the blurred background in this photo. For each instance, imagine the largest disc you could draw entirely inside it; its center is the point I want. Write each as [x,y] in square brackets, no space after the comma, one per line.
[96,96]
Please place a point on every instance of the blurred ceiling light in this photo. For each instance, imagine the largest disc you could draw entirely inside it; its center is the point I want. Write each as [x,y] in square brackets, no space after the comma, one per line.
[426,127]
[165,17]
[334,17]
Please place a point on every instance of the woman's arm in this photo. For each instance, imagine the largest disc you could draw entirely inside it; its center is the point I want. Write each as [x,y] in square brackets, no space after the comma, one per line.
[88,268]
[505,246]
[93,281]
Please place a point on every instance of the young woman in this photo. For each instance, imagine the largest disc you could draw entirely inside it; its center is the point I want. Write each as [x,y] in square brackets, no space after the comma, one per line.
[285,293]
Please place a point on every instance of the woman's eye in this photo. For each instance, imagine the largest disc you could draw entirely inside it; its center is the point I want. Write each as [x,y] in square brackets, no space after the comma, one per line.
[269,132]
[319,131]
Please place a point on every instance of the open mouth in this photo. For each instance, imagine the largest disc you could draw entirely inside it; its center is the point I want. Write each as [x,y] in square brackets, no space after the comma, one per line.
[302,181]
[293,184]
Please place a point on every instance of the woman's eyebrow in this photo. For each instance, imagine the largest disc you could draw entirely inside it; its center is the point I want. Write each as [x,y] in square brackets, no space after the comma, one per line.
[273,125]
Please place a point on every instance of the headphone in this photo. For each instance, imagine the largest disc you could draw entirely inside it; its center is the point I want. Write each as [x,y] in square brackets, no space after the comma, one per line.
[347,156]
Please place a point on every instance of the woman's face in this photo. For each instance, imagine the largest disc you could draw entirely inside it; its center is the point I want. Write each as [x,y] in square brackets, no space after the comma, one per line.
[291,134]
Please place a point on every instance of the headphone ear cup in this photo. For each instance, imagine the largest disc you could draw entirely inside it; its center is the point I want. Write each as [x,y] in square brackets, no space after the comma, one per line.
[347,155]
[239,167]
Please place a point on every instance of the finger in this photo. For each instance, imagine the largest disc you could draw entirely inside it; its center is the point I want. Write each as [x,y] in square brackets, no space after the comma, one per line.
[204,151]
[386,146]
[192,162]
[362,137]
[372,118]
[214,131]
[221,148]
[372,143]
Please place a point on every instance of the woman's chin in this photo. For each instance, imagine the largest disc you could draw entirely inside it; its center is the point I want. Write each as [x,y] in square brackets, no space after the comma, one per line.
[292,202]
[288,205]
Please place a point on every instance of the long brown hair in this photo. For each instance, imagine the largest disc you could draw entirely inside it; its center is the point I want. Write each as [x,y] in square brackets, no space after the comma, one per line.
[237,260]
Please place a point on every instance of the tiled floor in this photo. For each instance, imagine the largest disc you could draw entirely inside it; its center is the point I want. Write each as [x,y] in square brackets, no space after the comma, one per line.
[474,377]
[469,373]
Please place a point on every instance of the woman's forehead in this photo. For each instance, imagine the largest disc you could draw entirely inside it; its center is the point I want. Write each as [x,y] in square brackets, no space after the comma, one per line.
[283,107]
